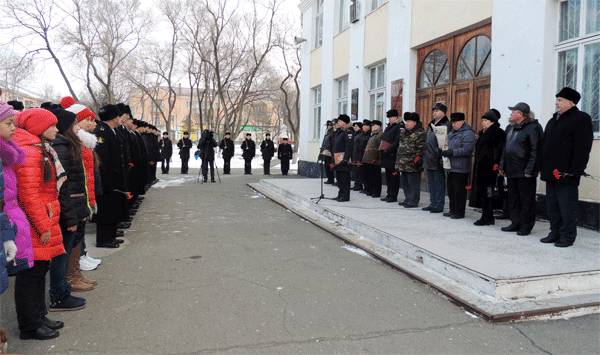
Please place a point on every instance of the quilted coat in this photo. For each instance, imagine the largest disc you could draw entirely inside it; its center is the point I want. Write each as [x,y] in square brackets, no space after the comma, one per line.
[38,199]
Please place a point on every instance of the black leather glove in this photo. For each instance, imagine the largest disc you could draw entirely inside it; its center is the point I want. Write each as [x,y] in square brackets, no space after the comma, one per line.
[447,153]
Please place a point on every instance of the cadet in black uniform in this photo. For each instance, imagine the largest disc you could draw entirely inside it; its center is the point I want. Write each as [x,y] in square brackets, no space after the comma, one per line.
[227,147]
[342,156]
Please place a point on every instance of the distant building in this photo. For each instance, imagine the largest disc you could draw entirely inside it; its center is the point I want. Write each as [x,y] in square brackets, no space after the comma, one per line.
[27,97]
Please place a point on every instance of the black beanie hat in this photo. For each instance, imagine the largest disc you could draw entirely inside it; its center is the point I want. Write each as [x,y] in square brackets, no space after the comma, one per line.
[392,113]
[109,112]
[490,115]
[457,116]
[344,118]
[497,113]
[65,119]
[569,94]
[16,105]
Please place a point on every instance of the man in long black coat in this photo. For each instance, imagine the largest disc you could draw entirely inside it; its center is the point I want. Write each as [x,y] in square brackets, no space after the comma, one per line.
[342,156]
[166,151]
[285,154]
[184,145]
[326,148]
[206,146]
[566,147]
[267,149]
[248,152]
[227,147]
[388,148]
[111,203]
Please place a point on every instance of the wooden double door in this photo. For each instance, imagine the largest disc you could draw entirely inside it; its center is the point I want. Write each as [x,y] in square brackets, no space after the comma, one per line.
[456,71]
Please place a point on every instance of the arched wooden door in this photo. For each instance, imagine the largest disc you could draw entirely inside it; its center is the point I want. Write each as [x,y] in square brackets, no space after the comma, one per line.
[456,71]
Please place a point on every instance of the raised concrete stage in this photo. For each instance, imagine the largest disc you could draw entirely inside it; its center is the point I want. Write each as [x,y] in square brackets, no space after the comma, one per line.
[498,275]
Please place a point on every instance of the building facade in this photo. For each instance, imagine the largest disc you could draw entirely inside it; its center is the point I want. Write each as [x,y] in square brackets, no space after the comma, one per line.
[363,57]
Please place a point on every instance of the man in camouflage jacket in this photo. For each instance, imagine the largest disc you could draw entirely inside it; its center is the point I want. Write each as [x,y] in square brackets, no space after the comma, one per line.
[409,159]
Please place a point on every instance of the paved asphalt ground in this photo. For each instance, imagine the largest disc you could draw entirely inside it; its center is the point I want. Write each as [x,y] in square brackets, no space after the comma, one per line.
[217,268]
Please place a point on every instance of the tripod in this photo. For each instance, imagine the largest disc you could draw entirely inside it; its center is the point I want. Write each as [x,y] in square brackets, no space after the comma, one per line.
[322,196]
[216,168]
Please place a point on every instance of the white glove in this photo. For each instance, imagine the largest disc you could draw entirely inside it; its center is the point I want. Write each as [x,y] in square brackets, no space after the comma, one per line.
[10,249]
[94,209]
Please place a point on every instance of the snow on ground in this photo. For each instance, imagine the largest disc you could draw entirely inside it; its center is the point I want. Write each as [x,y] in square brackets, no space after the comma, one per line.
[358,251]
[172,182]
[237,162]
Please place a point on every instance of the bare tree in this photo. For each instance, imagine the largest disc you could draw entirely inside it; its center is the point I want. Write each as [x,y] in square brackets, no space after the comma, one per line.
[15,70]
[35,22]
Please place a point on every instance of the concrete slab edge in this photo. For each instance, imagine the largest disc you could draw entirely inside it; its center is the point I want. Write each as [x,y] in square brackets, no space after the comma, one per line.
[481,304]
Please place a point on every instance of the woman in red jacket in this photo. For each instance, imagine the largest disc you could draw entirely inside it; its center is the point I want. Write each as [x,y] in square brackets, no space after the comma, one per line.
[38,196]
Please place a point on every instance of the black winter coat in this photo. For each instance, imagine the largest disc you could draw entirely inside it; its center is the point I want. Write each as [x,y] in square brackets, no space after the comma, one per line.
[72,196]
[343,143]
[432,159]
[184,145]
[166,148]
[248,149]
[566,146]
[521,153]
[140,162]
[267,148]
[391,137]
[360,142]
[285,151]
[207,145]
[227,147]
[488,151]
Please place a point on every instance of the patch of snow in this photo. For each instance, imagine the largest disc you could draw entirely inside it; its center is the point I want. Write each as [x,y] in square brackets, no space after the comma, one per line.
[358,251]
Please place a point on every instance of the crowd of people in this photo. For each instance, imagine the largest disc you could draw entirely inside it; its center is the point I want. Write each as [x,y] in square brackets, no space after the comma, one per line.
[504,164]
[62,167]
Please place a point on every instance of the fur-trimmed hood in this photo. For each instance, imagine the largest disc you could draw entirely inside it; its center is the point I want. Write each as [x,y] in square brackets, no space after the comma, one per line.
[89,140]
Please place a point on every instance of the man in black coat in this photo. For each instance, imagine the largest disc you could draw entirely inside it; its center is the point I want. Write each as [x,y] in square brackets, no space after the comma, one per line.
[248,152]
[342,156]
[360,145]
[520,164]
[325,156]
[267,149]
[166,151]
[111,203]
[285,153]
[566,147]
[356,156]
[206,146]
[184,145]
[227,147]
[388,148]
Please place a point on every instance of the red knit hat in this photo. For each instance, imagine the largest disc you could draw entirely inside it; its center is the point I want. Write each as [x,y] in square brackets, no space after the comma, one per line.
[82,112]
[36,120]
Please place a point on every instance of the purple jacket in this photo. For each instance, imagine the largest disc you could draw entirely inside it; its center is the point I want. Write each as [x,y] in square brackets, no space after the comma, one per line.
[11,154]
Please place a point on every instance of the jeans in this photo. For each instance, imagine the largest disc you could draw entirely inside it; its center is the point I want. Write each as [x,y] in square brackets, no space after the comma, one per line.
[437,189]
[30,296]
[561,205]
[411,185]
[58,269]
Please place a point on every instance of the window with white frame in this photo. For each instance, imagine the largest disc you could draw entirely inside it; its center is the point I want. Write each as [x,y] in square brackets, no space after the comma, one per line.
[343,15]
[316,114]
[377,92]
[375,4]
[578,53]
[319,24]
[342,96]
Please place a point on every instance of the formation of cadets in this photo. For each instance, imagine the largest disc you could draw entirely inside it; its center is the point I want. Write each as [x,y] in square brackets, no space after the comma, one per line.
[504,170]
[63,166]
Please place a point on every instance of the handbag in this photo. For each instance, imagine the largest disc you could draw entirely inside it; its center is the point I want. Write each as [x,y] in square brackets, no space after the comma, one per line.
[497,192]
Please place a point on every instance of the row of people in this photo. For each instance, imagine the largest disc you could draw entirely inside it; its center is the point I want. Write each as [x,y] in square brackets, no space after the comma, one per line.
[559,154]
[61,168]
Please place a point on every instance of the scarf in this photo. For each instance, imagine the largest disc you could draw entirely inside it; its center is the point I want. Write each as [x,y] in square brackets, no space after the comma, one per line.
[61,174]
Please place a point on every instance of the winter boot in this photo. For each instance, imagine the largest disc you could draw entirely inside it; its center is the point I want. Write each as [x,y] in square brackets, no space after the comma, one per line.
[73,272]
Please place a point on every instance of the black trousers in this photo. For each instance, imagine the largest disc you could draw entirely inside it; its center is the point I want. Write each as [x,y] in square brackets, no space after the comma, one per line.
[521,202]
[30,295]
[184,165]
[373,180]
[226,165]
[106,233]
[358,176]
[205,163]
[343,184]
[328,170]
[267,166]
[457,192]
[247,165]
[392,178]
[165,165]
[285,166]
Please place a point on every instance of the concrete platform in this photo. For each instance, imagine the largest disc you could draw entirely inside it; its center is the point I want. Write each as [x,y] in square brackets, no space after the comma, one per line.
[498,275]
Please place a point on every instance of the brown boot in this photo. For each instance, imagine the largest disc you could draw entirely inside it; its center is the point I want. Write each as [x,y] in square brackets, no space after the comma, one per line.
[73,279]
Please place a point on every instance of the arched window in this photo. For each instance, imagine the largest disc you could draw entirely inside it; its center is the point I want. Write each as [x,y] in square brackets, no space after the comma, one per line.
[474,60]
[435,70]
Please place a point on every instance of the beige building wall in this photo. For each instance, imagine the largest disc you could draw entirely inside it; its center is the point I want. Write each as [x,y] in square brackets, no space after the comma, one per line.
[376,40]
[341,54]
[444,18]
[316,67]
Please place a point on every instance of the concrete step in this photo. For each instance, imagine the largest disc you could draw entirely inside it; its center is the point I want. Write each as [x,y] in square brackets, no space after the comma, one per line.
[495,274]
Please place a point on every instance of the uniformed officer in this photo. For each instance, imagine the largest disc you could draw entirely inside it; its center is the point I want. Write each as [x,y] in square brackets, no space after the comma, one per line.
[342,156]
